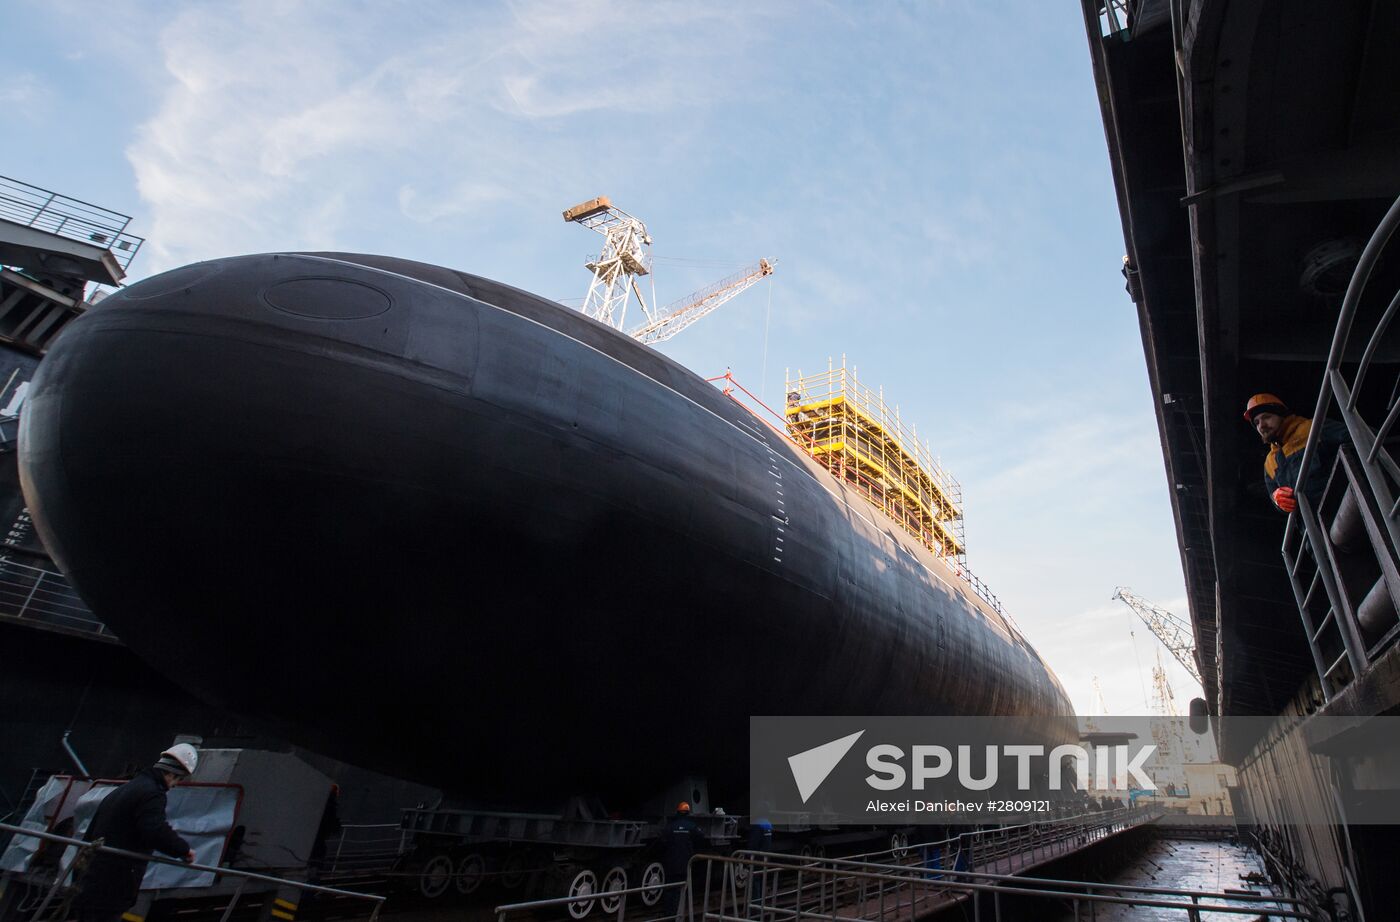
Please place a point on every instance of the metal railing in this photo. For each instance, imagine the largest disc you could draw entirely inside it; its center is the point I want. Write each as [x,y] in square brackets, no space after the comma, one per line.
[1364,483]
[1031,843]
[1114,16]
[33,594]
[364,848]
[974,854]
[67,882]
[905,882]
[67,217]
[767,887]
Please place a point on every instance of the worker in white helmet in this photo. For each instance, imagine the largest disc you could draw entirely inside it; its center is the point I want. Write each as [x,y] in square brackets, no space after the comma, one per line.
[132,818]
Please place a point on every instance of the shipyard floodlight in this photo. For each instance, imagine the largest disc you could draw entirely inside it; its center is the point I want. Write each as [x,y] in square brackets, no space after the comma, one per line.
[626,255]
[1174,633]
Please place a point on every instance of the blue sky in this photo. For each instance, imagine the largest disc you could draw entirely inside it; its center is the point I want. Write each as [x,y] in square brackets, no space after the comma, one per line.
[931,176]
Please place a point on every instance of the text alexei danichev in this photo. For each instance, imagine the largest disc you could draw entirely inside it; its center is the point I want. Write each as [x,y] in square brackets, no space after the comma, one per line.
[957,806]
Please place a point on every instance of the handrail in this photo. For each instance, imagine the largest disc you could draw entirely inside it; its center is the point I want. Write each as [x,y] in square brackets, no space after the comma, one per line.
[1019,888]
[38,595]
[98,847]
[1075,822]
[1345,318]
[1376,470]
[903,870]
[70,218]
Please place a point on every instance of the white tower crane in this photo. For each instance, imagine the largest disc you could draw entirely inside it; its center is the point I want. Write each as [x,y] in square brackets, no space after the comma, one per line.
[1174,633]
[626,255]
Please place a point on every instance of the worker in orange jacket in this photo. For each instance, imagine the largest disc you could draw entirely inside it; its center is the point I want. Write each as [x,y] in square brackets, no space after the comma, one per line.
[1286,434]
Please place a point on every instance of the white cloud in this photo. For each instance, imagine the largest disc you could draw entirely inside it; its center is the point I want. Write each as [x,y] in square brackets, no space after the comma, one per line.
[465,197]
[273,113]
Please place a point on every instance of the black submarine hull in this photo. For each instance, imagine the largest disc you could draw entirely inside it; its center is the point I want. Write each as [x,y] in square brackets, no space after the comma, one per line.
[447,529]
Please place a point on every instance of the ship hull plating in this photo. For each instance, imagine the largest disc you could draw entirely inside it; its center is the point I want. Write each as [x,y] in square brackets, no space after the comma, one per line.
[442,527]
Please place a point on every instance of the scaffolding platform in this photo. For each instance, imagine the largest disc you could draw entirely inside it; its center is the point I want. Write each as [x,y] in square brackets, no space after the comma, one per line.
[850,430]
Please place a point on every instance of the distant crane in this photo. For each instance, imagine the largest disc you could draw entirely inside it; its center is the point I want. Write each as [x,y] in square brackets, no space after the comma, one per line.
[1162,697]
[1167,762]
[626,255]
[1174,633]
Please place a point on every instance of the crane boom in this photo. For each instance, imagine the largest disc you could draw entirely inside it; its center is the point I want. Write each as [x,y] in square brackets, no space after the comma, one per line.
[1174,633]
[626,255]
[678,315]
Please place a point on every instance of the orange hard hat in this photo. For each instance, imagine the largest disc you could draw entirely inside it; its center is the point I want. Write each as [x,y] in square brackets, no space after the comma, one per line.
[683,807]
[1264,403]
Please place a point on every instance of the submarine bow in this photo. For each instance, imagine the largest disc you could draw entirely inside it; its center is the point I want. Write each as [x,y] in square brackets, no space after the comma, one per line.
[439,526]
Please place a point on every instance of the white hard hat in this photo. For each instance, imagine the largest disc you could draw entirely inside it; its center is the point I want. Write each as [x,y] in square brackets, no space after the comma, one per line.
[178,759]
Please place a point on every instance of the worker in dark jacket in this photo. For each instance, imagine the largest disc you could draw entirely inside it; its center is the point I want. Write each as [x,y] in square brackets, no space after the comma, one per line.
[1286,434]
[132,818]
[679,842]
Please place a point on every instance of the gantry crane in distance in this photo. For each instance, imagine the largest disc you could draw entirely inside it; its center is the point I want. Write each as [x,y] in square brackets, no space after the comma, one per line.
[626,255]
[1174,633]
[1167,732]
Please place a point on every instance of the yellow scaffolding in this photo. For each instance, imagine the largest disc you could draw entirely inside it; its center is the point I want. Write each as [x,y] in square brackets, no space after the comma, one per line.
[850,430]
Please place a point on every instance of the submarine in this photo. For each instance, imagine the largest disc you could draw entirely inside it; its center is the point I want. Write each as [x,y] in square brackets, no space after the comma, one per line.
[443,528]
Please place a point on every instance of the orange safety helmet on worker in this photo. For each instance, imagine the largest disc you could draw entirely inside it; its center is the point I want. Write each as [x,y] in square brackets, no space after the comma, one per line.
[1286,434]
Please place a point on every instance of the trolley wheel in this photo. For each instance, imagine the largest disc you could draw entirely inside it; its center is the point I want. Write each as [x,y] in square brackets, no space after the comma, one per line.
[584,883]
[653,879]
[514,869]
[435,877]
[471,871]
[806,851]
[899,845]
[614,880]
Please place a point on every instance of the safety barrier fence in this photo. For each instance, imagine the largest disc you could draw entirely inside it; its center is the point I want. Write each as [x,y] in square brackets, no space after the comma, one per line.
[767,887]
[770,887]
[36,595]
[1024,844]
[1341,552]
[71,218]
[56,903]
